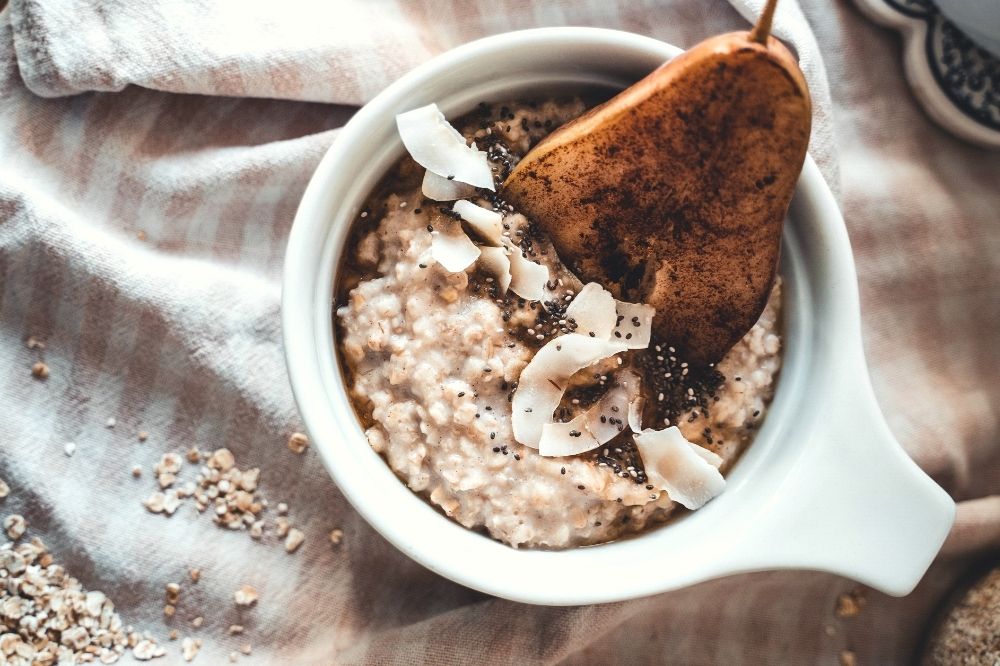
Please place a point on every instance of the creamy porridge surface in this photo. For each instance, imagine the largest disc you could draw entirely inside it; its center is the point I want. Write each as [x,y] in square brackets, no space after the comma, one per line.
[433,357]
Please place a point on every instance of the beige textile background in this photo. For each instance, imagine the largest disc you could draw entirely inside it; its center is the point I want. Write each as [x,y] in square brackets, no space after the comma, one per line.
[142,228]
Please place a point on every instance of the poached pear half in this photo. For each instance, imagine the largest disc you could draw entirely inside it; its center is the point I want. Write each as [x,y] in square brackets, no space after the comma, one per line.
[674,192]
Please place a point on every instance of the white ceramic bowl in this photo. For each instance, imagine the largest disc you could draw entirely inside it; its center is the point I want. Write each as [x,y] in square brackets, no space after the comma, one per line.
[824,486]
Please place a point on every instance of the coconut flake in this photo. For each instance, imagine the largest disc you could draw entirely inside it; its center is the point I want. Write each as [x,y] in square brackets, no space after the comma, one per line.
[527,278]
[635,324]
[635,413]
[455,252]
[440,188]
[558,439]
[494,260]
[437,146]
[633,384]
[712,458]
[594,311]
[567,439]
[613,407]
[673,464]
[543,381]
[485,222]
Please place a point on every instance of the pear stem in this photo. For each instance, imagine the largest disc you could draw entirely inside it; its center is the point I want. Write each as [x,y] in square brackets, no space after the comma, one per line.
[762,30]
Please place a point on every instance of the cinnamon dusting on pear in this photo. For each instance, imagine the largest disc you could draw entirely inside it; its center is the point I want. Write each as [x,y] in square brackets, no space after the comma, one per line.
[674,192]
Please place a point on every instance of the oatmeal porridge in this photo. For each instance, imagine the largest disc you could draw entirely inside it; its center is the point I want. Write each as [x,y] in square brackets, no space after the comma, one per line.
[435,349]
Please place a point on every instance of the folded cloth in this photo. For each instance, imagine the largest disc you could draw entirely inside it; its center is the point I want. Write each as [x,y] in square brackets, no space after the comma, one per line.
[341,54]
[141,237]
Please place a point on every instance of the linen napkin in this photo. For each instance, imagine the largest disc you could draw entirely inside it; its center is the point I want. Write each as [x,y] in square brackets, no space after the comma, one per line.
[151,159]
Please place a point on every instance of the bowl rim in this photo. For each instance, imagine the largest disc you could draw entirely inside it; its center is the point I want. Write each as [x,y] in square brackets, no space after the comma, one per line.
[444,546]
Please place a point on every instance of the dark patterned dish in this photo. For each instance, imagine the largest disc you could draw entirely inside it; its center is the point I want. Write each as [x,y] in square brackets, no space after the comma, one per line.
[956,81]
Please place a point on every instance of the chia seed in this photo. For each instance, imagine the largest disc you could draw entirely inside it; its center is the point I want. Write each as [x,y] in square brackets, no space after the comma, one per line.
[679,387]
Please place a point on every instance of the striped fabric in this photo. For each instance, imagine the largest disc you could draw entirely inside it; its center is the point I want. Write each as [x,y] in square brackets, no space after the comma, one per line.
[151,158]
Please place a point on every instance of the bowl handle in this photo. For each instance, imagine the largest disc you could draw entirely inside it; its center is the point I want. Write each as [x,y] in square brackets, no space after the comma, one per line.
[863,508]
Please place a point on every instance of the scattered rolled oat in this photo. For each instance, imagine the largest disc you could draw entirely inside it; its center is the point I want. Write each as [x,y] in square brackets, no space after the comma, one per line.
[154,503]
[169,610]
[850,604]
[40,370]
[136,471]
[235,629]
[197,622]
[234,657]
[230,493]
[170,464]
[222,460]
[143,435]
[147,649]
[163,502]
[194,574]
[294,540]
[34,343]
[171,502]
[246,595]
[111,422]
[69,449]
[336,536]
[298,442]
[246,649]
[174,635]
[49,618]
[230,489]
[173,591]
[848,658]
[4,489]
[189,648]
[14,525]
